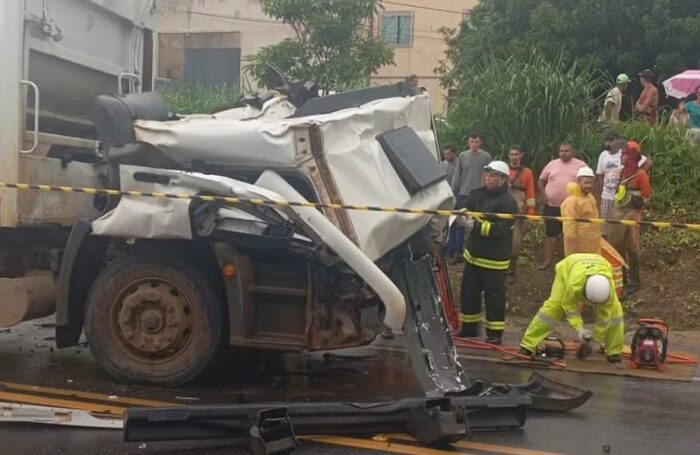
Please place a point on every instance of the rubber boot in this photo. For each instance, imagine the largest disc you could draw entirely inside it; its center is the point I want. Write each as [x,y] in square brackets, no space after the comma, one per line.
[494,336]
[388,334]
[614,358]
[631,277]
[469,330]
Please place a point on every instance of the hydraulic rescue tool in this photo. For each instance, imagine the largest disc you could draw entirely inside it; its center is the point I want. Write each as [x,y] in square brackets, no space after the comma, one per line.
[551,348]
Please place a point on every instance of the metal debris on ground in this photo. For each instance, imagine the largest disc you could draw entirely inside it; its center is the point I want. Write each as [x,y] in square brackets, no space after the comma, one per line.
[24,413]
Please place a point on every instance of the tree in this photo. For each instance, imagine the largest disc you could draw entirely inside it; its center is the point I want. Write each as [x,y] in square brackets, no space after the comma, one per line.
[334,43]
[619,36]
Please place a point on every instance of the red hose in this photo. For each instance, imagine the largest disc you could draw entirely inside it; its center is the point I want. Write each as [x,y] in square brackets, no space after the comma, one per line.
[671,359]
[513,351]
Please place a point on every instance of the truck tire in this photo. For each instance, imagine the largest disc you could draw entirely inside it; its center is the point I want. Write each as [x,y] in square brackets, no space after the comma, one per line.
[153,320]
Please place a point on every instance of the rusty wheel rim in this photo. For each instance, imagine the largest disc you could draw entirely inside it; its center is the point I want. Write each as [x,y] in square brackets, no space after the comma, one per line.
[153,319]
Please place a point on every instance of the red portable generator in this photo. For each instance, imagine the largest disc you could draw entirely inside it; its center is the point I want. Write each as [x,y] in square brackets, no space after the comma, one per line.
[650,344]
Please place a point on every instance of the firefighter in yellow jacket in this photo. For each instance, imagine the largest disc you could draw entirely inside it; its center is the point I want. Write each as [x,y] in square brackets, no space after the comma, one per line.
[580,278]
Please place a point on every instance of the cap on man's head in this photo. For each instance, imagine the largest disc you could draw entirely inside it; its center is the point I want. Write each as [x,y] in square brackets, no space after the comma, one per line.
[623,79]
[634,146]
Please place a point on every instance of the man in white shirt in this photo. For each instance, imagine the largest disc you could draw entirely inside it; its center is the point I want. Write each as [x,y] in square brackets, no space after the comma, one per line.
[613,100]
[608,173]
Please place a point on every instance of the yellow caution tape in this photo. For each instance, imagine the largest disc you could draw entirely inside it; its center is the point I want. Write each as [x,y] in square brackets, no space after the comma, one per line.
[365,208]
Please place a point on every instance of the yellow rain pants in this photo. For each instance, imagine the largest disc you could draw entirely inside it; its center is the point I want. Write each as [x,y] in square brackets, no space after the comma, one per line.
[566,295]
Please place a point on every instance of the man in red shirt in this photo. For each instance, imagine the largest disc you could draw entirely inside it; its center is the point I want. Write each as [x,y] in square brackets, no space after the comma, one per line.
[522,186]
[632,195]
[648,102]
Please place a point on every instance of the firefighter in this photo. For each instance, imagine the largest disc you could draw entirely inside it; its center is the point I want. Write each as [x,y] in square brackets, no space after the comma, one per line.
[487,255]
[580,278]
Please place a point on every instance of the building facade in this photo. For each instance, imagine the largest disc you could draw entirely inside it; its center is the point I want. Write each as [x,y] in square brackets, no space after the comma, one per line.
[206,41]
[412,27]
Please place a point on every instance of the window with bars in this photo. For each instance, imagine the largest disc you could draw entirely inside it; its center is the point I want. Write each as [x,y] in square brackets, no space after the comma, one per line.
[397,28]
[212,59]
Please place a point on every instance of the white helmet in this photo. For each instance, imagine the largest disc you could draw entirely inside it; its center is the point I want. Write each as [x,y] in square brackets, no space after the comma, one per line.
[498,167]
[597,289]
[585,171]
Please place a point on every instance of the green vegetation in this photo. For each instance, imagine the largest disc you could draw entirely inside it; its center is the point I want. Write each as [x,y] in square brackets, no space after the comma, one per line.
[619,36]
[676,172]
[199,99]
[334,44]
[531,72]
[670,241]
[533,102]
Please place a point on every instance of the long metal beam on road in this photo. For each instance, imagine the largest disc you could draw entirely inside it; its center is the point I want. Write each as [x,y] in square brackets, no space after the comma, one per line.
[115,406]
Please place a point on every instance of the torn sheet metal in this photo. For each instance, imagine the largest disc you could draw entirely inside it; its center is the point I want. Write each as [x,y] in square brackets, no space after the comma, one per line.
[24,413]
[365,176]
[223,141]
[275,108]
[152,218]
[356,160]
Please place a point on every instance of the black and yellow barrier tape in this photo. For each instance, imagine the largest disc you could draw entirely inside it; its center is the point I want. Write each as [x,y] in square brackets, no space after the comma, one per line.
[320,205]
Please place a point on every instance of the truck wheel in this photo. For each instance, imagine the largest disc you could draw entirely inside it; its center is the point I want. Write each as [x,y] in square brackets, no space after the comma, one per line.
[154,321]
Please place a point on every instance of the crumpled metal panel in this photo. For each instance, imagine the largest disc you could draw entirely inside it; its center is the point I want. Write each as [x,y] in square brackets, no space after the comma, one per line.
[355,160]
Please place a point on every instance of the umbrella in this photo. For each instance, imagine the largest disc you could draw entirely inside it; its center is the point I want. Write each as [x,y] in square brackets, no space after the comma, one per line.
[683,84]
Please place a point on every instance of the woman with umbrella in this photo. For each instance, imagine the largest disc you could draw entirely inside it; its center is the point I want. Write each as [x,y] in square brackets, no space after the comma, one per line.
[682,86]
[693,110]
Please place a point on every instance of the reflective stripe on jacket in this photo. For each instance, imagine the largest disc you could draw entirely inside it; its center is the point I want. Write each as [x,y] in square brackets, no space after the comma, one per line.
[566,296]
[490,242]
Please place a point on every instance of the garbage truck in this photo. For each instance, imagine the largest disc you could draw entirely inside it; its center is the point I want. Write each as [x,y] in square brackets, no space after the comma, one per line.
[168,239]
[159,285]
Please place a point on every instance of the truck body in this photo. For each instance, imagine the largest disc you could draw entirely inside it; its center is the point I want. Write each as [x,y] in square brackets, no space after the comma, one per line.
[160,285]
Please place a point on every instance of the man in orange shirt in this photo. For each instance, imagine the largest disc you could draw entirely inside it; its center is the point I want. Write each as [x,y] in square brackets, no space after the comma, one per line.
[632,195]
[522,186]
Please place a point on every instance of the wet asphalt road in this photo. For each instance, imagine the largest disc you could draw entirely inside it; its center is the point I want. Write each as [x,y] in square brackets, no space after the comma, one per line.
[625,415]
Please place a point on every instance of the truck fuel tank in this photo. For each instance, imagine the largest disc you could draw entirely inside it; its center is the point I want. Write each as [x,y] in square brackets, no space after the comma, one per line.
[26,298]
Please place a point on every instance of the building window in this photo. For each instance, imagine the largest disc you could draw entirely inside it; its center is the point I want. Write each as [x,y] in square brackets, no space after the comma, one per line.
[211,59]
[397,29]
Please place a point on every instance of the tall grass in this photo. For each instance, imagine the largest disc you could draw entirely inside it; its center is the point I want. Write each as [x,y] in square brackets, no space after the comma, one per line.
[196,98]
[535,102]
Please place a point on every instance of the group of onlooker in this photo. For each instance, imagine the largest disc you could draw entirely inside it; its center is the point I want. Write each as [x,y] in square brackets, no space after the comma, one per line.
[619,188]
[687,113]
